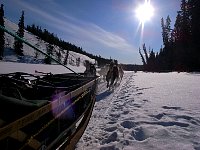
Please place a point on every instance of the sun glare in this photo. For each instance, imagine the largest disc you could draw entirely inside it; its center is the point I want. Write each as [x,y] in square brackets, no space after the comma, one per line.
[145,12]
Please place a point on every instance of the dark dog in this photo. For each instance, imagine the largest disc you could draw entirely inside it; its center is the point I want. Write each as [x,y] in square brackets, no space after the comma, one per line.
[112,75]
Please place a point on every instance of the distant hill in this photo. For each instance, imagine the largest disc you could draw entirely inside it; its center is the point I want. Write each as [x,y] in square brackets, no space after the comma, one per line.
[32,56]
[51,38]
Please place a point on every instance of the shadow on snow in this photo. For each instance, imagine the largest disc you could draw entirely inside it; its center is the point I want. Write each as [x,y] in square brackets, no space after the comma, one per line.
[103,95]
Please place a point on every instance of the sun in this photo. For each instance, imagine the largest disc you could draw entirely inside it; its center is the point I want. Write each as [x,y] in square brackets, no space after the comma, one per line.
[144,12]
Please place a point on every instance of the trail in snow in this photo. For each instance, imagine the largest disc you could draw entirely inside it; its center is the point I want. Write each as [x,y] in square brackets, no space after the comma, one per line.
[110,109]
[142,113]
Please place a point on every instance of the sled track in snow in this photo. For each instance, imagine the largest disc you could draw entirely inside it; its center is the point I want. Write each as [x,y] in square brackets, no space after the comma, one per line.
[101,113]
[102,110]
[111,97]
[123,82]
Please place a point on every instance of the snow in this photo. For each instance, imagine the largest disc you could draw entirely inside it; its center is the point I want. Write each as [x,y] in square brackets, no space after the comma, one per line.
[9,67]
[146,111]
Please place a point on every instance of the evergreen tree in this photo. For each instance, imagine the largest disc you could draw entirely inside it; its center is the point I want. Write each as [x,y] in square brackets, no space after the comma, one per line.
[177,27]
[146,59]
[66,58]
[151,62]
[145,52]
[164,32]
[183,53]
[78,60]
[47,59]
[2,38]
[142,57]
[168,30]
[194,12]
[178,38]
[58,54]
[168,47]
[185,23]
[167,50]
[18,45]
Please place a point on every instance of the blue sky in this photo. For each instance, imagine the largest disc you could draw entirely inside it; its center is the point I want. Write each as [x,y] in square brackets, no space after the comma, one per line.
[102,27]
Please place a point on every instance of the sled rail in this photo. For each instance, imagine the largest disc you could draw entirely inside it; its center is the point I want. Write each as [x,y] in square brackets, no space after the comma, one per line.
[20,123]
[69,136]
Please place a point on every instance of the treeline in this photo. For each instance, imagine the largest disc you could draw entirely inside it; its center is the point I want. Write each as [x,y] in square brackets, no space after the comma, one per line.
[181,50]
[45,35]
[132,67]
[51,38]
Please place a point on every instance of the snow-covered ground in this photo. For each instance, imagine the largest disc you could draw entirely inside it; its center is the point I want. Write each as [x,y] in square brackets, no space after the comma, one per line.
[9,67]
[147,111]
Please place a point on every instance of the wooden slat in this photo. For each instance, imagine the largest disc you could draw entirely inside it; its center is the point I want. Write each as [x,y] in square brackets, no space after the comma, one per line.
[77,92]
[21,137]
